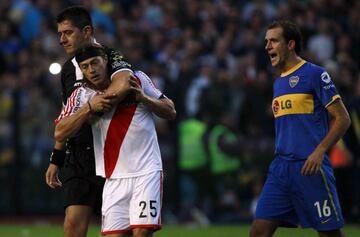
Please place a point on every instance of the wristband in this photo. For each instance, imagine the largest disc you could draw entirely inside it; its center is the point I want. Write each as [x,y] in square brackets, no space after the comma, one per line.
[57,157]
[91,110]
[90,107]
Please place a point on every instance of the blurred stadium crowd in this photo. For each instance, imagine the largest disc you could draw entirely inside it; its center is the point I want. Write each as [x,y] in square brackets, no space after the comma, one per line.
[208,56]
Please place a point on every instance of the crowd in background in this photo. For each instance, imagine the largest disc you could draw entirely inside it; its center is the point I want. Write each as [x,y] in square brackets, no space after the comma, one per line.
[206,55]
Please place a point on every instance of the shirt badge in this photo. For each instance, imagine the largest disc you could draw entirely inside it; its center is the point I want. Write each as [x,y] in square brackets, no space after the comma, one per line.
[325,77]
[293,81]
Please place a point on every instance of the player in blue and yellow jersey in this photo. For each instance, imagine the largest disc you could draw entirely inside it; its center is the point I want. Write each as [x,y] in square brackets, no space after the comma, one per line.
[300,187]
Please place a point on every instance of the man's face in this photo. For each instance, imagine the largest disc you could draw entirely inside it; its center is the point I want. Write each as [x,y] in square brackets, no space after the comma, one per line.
[70,37]
[276,47]
[94,69]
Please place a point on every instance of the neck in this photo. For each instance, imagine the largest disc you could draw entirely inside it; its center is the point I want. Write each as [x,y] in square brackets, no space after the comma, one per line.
[104,85]
[291,62]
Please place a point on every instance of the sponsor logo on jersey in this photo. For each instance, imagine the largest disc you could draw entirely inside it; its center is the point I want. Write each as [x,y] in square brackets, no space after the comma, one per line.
[293,104]
[116,56]
[327,87]
[120,64]
[77,84]
[293,81]
[77,101]
[325,77]
[275,107]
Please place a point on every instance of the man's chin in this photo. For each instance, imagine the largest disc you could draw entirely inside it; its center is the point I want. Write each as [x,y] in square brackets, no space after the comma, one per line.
[275,64]
[70,52]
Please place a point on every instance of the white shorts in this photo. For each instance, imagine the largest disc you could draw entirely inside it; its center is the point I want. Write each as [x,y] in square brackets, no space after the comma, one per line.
[132,203]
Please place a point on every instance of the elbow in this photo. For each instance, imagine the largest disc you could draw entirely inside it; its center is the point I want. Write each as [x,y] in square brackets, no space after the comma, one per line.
[172,111]
[168,114]
[172,114]
[345,122]
[59,135]
[348,121]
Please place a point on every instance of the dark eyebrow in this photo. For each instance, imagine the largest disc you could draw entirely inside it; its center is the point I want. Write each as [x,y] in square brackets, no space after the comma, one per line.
[94,60]
[83,64]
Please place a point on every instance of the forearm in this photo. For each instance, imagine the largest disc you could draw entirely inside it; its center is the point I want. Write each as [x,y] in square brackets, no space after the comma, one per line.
[164,108]
[119,87]
[59,145]
[70,125]
[337,130]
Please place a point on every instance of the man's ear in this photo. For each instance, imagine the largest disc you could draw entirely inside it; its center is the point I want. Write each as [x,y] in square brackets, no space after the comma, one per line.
[291,45]
[88,32]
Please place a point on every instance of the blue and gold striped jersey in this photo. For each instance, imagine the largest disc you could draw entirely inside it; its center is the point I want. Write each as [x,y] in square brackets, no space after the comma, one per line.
[301,96]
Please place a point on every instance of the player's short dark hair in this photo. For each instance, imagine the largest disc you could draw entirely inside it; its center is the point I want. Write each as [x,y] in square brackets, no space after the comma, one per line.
[89,50]
[77,15]
[290,32]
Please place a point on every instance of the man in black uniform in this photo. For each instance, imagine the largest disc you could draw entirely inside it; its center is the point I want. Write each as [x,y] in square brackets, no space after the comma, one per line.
[82,189]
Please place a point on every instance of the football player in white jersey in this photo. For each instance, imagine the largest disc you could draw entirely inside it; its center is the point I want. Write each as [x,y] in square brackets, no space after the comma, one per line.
[126,149]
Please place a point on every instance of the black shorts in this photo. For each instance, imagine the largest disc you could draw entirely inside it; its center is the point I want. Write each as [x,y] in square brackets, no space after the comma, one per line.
[80,185]
[84,191]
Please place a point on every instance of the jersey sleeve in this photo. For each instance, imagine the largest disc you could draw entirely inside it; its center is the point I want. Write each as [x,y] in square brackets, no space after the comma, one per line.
[63,94]
[148,85]
[76,100]
[325,88]
[117,62]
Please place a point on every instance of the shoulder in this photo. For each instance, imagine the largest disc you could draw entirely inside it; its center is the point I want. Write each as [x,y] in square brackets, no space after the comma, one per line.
[68,70]
[116,60]
[314,69]
[145,80]
[113,54]
[68,66]
[78,92]
[319,77]
[142,76]
[317,73]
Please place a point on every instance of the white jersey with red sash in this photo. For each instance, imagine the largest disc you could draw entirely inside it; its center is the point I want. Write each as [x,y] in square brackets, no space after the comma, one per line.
[125,140]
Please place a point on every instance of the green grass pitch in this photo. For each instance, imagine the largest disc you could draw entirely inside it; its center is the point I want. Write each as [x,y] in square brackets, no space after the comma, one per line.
[43,230]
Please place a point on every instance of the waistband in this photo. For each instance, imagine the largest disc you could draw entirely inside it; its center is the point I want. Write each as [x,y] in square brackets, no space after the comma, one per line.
[73,144]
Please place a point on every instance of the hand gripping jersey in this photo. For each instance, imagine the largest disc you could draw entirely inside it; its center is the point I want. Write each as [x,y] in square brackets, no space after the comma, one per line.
[301,96]
[125,140]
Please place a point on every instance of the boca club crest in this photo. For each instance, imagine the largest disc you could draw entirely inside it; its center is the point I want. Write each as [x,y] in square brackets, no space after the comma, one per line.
[293,81]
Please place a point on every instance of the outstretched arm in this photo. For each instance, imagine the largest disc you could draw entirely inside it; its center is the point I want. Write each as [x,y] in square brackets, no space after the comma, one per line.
[338,128]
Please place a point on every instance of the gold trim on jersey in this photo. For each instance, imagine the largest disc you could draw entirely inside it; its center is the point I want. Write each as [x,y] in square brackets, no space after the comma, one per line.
[335,97]
[293,104]
[293,69]
[329,194]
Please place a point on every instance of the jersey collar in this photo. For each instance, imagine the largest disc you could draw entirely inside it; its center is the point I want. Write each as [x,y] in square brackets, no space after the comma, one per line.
[293,69]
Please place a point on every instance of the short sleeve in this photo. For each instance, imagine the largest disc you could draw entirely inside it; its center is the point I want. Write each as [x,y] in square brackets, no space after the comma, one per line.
[117,62]
[148,85]
[325,88]
[76,100]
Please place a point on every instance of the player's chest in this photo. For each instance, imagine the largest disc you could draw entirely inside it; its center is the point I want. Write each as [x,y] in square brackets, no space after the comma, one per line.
[292,95]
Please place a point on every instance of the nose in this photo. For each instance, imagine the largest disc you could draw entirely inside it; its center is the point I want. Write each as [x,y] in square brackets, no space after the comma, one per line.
[91,69]
[268,45]
[62,39]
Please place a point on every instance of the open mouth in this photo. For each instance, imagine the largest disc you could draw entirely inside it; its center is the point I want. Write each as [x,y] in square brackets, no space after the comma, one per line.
[272,55]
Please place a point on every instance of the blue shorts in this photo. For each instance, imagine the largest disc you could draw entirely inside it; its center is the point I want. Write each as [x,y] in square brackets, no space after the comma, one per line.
[292,199]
